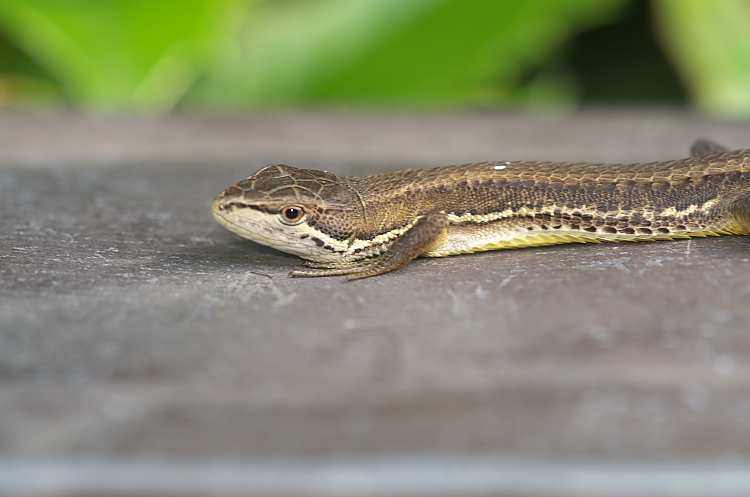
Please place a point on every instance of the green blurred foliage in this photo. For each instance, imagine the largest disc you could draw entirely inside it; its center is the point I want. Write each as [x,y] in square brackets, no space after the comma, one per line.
[157,55]
[118,54]
[421,52]
[709,42]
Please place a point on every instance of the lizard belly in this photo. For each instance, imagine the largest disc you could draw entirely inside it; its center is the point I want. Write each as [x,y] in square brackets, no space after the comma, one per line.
[468,238]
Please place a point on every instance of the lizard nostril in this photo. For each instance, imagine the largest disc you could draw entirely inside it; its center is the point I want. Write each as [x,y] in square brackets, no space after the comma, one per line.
[223,205]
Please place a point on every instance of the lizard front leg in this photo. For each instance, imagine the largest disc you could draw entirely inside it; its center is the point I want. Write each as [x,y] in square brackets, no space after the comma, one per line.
[406,247]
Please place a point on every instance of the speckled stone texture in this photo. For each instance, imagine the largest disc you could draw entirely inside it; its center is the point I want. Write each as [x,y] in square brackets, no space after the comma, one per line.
[137,337]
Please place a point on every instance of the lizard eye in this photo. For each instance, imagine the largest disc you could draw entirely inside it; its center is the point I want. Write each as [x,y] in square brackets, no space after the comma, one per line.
[292,214]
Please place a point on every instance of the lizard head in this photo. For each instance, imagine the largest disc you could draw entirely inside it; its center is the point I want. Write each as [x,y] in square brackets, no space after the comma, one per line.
[304,212]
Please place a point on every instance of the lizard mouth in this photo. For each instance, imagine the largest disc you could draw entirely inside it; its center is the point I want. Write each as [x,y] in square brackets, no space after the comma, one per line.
[297,241]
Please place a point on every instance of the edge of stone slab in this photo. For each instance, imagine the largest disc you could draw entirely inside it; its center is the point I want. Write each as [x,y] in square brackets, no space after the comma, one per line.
[384,139]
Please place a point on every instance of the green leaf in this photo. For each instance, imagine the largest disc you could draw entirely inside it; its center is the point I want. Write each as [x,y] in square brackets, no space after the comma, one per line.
[118,54]
[416,52]
[709,41]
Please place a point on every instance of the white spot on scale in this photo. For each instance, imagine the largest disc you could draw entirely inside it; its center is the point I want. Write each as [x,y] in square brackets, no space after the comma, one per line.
[499,168]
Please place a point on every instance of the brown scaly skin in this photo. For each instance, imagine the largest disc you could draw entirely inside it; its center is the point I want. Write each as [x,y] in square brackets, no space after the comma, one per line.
[369,225]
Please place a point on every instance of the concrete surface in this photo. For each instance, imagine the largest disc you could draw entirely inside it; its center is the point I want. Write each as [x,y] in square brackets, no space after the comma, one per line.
[144,350]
